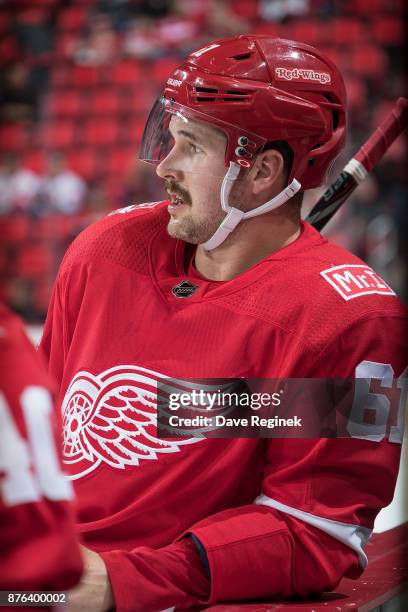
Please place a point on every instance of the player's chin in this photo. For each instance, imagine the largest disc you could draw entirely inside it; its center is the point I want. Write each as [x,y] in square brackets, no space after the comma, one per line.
[183,231]
[175,229]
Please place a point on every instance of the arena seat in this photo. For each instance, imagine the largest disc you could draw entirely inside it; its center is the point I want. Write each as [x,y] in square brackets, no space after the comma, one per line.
[50,228]
[13,136]
[66,103]
[65,44]
[248,9]
[85,76]
[85,161]
[5,21]
[119,161]
[4,263]
[34,159]
[14,229]
[268,29]
[365,7]
[348,31]
[98,132]
[35,260]
[385,581]
[72,17]
[310,32]
[388,30]
[104,101]
[142,101]
[59,134]
[127,72]
[368,61]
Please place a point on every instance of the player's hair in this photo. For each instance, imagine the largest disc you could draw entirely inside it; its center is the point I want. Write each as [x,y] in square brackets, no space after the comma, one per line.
[294,205]
[284,149]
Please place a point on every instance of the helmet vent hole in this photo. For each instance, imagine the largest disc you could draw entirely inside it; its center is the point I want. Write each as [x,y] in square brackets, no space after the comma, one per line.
[206,90]
[237,92]
[236,95]
[241,56]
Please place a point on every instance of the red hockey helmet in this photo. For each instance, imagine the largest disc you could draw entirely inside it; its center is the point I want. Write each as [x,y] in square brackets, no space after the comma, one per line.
[258,90]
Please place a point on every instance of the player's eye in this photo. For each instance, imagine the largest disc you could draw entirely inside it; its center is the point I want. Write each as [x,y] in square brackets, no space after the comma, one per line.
[194,149]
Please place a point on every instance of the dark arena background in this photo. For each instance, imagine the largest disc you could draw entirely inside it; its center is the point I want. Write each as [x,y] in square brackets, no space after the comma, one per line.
[78,79]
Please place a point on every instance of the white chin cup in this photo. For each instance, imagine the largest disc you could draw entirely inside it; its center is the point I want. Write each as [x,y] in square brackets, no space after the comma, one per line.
[234,216]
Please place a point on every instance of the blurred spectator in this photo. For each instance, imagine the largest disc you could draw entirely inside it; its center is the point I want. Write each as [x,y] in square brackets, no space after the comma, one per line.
[18,98]
[19,295]
[61,190]
[97,204]
[34,32]
[222,21]
[141,39]
[198,9]
[155,9]
[99,46]
[278,10]
[18,185]
[178,33]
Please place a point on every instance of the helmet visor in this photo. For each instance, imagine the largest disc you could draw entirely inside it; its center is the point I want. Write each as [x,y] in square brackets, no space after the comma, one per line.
[157,140]
[168,117]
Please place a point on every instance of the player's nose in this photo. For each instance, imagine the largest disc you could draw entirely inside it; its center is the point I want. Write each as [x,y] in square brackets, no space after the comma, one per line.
[168,168]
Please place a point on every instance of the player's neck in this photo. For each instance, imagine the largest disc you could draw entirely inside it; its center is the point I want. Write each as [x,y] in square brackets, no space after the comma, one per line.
[250,242]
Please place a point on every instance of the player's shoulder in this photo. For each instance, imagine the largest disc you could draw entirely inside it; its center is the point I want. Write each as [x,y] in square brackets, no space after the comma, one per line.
[316,291]
[126,229]
[343,281]
[337,291]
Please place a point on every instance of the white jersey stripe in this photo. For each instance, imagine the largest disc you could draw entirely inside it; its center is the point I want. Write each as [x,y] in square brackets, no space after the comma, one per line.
[354,536]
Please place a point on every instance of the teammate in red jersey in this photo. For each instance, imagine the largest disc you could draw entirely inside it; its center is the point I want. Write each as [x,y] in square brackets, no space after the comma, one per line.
[39,549]
[225,280]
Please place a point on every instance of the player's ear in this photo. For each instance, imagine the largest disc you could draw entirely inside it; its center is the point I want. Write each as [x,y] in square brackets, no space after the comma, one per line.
[268,171]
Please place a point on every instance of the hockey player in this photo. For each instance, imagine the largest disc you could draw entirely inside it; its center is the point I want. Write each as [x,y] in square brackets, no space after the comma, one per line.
[225,280]
[39,549]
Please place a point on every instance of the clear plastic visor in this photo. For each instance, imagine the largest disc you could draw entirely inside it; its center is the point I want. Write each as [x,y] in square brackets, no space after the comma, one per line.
[194,142]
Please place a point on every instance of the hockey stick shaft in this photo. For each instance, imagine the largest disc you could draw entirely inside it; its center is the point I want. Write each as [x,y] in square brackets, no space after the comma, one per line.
[360,165]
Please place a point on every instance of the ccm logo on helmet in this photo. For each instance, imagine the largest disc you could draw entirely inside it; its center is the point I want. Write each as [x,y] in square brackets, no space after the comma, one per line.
[302,74]
[174,82]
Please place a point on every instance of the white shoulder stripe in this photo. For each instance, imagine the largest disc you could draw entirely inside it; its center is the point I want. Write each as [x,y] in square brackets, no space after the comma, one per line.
[354,536]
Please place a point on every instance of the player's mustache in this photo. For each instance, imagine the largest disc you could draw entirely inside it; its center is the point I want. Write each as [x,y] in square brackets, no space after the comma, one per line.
[171,187]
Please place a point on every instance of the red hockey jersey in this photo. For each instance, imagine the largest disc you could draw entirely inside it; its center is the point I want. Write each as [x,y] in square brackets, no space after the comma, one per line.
[276,518]
[39,549]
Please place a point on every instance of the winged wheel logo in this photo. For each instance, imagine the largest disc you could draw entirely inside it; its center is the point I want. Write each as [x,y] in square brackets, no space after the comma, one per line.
[111,419]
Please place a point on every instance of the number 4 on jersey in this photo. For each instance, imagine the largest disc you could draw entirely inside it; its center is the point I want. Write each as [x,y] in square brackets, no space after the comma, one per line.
[31,468]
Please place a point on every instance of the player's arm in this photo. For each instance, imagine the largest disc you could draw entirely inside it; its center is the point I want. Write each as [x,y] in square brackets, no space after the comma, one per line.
[38,540]
[308,527]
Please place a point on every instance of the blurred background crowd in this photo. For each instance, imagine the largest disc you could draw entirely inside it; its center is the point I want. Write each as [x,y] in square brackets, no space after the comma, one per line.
[78,79]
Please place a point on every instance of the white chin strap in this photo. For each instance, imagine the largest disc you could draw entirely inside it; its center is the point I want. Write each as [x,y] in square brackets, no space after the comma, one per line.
[234,216]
